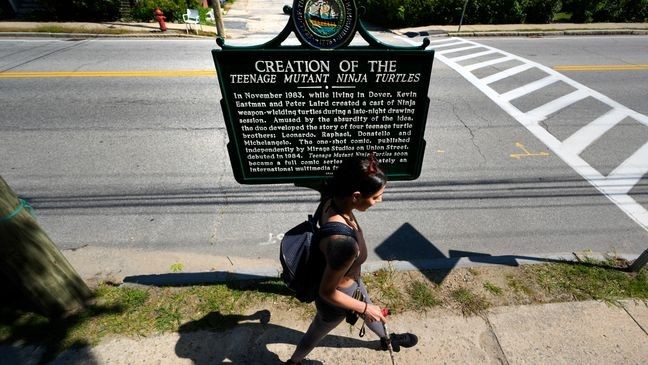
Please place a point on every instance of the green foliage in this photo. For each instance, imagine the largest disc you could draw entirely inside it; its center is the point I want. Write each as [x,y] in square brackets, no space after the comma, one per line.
[593,281]
[621,11]
[540,11]
[495,11]
[410,13]
[384,281]
[493,289]
[172,9]
[176,267]
[78,10]
[399,13]
[469,302]
[584,11]
[383,12]
[6,12]
[422,296]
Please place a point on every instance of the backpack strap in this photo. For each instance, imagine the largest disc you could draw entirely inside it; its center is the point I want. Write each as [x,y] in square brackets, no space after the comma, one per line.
[336,228]
[341,250]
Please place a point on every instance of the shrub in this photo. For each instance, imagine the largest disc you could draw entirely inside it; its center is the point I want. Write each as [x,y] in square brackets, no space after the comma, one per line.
[585,11]
[620,11]
[541,11]
[388,13]
[408,13]
[496,11]
[79,10]
[399,13]
[172,9]
[449,11]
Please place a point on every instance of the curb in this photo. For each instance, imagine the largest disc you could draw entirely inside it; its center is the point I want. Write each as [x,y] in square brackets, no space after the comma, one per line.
[93,35]
[272,273]
[590,32]
[409,34]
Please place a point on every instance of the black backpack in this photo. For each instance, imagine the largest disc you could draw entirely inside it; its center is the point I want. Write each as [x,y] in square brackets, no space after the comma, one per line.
[301,259]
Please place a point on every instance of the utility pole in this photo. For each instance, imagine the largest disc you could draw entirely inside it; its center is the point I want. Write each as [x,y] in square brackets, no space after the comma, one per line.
[462,15]
[31,262]
[218,17]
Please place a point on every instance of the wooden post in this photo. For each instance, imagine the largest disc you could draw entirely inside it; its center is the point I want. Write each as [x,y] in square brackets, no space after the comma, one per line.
[218,16]
[33,264]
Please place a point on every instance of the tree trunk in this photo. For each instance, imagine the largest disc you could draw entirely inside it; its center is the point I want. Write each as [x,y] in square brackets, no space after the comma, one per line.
[33,264]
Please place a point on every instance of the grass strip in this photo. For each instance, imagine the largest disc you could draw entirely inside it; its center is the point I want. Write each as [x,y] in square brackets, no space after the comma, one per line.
[145,311]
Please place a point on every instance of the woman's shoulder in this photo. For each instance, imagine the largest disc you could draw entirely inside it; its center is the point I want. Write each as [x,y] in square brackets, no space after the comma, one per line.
[338,243]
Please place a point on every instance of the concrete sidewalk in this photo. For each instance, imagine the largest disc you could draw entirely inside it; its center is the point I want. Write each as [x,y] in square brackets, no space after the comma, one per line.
[565,333]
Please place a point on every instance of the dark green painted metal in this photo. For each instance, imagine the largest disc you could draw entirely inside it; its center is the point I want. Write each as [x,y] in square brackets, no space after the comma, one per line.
[232,59]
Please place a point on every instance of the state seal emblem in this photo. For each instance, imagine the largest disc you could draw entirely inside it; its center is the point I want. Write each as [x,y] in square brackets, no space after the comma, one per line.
[325,23]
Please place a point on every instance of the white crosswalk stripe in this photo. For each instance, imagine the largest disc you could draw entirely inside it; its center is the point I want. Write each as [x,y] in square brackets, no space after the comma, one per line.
[529,88]
[617,184]
[506,73]
[492,62]
[581,139]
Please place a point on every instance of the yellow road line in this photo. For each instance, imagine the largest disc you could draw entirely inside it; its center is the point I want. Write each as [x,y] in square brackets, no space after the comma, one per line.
[601,68]
[170,73]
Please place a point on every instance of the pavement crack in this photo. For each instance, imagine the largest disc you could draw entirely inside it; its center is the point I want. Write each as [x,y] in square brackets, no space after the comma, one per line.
[634,319]
[492,336]
[543,123]
[44,55]
[472,133]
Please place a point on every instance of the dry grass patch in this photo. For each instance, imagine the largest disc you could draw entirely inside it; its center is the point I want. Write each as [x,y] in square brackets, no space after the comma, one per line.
[142,311]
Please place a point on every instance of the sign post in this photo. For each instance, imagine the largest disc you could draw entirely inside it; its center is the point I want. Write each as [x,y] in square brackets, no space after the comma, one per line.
[294,113]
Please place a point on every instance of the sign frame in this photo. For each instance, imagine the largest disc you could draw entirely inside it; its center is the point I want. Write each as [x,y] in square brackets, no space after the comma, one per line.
[229,59]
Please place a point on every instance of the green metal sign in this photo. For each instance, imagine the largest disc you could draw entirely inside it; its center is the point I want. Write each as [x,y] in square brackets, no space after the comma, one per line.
[294,113]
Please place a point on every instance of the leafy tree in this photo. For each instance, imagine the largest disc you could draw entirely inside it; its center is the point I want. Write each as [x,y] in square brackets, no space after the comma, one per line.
[79,10]
[540,11]
[173,9]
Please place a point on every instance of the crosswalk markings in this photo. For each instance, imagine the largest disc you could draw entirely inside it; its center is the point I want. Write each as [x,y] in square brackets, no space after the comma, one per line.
[618,183]
[542,112]
[472,55]
[492,62]
[506,73]
[529,88]
[455,50]
[581,139]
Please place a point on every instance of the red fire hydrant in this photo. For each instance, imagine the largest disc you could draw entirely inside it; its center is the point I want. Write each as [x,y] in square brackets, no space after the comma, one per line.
[159,16]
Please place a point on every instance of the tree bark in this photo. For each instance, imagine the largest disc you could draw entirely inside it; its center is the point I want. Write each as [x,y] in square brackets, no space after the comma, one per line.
[33,264]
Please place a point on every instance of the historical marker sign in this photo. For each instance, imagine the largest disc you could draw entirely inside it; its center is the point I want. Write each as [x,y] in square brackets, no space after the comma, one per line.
[294,114]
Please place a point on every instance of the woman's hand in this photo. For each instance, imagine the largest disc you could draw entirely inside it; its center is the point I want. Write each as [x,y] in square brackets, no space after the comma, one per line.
[374,313]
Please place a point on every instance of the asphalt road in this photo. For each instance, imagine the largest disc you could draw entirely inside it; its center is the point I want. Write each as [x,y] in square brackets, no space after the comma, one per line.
[137,159]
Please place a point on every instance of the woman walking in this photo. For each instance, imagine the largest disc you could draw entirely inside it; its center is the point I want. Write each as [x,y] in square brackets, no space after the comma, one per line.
[357,184]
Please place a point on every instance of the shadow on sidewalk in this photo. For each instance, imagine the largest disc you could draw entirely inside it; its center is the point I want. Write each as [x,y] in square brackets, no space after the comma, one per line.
[29,338]
[261,283]
[239,339]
